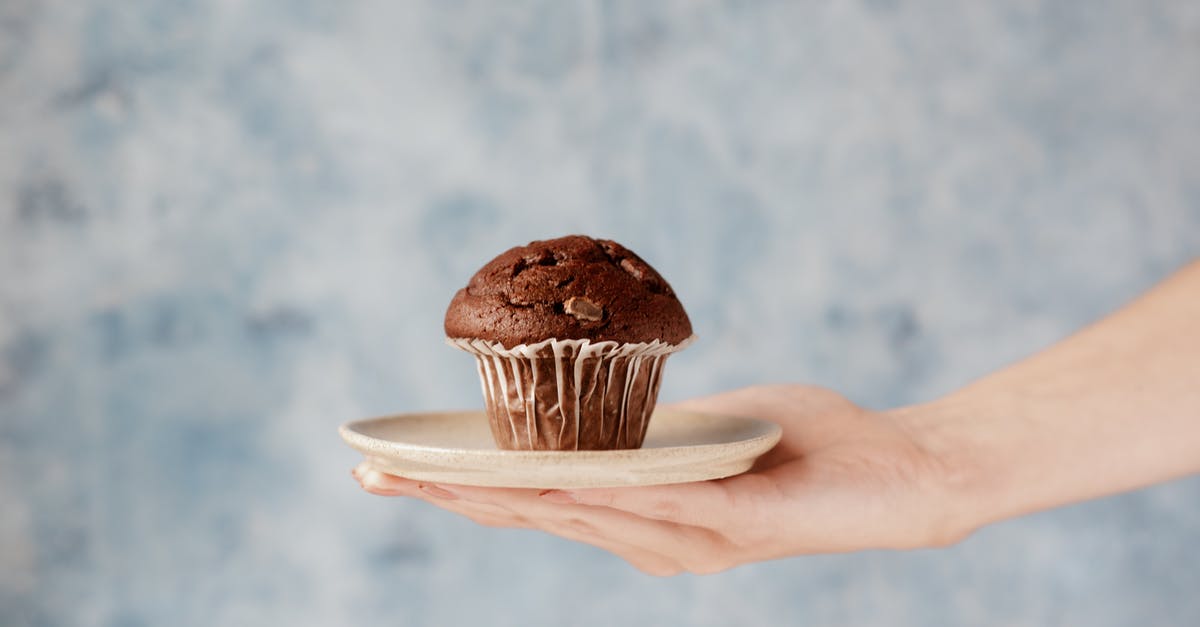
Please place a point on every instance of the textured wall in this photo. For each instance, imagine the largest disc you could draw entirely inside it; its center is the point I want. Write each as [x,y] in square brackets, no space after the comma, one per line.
[225,227]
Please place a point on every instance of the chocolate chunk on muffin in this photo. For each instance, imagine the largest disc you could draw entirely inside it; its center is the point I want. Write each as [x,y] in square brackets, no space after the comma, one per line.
[570,288]
[570,336]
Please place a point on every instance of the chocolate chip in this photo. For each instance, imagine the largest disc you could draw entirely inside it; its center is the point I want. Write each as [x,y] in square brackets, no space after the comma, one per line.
[632,269]
[583,309]
[540,258]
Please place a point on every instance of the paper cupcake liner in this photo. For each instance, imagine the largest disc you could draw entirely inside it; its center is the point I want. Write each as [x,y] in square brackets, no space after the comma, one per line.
[569,394]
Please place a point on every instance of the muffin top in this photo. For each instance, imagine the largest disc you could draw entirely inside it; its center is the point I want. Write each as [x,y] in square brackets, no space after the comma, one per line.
[569,288]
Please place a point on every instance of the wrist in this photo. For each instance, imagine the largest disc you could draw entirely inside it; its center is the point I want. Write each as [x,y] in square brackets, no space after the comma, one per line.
[963,487]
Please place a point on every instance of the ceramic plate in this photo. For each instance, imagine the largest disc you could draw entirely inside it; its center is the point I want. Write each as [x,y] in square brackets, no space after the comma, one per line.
[457,447]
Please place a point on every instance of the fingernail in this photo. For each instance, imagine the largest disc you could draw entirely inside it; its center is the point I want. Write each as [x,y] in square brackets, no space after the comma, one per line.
[438,491]
[558,496]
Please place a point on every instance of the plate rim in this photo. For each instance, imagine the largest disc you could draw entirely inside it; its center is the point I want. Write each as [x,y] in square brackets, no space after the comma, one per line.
[368,445]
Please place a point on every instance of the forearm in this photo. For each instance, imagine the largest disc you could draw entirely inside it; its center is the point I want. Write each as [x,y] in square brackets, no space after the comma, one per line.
[1112,408]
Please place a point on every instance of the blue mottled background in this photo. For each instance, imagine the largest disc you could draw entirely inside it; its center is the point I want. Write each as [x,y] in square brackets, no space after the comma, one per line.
[226,227]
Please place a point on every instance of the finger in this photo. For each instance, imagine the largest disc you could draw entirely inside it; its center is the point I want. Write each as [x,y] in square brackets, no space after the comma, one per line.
[485,515]
[493,507]
[592,528]
[383,484]
[653,546]
[580,530]
[721,504]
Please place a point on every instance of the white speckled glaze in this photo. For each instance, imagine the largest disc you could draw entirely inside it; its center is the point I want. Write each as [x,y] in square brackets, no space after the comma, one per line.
[457,447]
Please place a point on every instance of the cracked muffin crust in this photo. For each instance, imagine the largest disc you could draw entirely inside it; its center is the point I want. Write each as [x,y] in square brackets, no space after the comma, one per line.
[573,287]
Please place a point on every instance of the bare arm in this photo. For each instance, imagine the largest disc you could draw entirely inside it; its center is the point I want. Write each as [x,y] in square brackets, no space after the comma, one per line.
[1112,408]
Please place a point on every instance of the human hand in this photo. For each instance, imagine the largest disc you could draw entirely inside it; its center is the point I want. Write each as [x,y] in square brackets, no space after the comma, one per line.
[842,478]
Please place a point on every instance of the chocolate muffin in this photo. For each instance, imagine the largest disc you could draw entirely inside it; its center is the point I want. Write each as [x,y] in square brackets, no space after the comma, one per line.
[570,335]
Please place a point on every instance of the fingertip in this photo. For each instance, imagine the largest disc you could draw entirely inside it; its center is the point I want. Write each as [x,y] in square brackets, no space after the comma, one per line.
[373,480]
[374,488]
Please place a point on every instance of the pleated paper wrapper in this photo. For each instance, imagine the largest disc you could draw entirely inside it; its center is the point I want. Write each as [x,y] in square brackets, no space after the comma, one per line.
[569,395]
